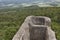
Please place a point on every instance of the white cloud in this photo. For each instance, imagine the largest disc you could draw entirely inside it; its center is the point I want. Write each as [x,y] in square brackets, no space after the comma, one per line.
[10,4]
[25,4]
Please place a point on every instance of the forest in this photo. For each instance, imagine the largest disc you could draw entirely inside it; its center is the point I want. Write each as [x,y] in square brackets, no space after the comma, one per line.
[12,18]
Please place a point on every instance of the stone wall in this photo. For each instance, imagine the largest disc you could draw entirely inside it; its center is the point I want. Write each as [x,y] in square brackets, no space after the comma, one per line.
[35,28]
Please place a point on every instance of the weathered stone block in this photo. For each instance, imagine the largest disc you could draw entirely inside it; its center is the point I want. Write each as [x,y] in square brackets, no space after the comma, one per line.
[38,21]
[35,28]
[38,33]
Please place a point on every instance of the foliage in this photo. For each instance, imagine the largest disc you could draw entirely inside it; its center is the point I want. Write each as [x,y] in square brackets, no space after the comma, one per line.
[11,19]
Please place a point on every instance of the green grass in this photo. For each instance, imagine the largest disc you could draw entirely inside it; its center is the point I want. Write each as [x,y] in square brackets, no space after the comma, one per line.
[10,22]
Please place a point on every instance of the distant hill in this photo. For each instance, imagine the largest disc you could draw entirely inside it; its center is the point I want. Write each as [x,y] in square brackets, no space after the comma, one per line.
[16,3]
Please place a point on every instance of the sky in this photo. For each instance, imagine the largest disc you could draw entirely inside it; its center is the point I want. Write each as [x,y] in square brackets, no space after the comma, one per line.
[24,0]
[57,0]
[29,0]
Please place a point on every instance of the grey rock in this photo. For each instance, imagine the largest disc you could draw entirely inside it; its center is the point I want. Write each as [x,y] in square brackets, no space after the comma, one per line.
[35,28]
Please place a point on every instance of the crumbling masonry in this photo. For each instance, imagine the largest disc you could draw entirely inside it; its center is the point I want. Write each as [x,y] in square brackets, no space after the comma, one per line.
[35,28]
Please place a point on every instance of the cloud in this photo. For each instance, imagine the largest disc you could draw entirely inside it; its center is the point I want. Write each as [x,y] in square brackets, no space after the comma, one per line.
[25,4]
